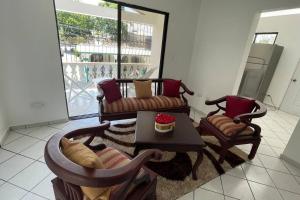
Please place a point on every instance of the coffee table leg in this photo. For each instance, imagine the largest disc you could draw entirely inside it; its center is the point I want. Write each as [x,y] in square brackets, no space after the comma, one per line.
[197,163]
[136,150]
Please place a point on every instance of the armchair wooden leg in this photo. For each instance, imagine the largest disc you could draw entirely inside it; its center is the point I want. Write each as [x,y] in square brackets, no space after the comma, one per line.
[254,148]
[222,155]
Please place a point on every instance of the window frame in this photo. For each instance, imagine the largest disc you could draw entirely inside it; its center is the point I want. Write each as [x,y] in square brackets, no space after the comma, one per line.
[265,33]
[119,18]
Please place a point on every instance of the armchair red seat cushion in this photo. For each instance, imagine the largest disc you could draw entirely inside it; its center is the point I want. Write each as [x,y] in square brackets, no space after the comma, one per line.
[236,105]
[227,126]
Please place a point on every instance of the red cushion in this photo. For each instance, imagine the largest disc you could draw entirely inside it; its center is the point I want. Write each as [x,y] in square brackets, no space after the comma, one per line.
[171,88]
[238,105]
[111,90]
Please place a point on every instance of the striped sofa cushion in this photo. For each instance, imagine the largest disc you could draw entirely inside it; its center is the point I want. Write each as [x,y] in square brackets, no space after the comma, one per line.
[227,126]
[136,104]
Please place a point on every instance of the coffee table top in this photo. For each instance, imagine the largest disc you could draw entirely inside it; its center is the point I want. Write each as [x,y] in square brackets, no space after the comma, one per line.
[184,132]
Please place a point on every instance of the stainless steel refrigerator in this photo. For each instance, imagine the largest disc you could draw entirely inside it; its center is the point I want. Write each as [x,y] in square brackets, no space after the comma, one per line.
[260,67]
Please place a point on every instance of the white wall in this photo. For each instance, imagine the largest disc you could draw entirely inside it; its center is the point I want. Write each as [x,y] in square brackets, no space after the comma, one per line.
[292,149]
[221,45]
[3,61]
[288,27]
[181,33]
[3,112]
[32,74]
[3,119]
[33,77]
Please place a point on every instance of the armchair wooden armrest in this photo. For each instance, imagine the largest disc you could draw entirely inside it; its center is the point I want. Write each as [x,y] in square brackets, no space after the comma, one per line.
[100,96]
[260,111]
[216,102]
[185,89]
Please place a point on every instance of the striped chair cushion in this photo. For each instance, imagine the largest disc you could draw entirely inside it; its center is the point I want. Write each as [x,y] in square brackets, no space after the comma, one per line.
[112,158]
[227,126]
[137,104]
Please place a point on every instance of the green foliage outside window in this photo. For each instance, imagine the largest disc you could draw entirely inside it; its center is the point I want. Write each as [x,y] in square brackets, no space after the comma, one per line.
[77,28]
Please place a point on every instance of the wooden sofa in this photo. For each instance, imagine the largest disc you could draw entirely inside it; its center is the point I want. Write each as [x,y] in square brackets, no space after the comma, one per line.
[125,109]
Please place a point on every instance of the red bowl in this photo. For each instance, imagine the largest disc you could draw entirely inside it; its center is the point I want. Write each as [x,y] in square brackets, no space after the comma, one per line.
[164,118]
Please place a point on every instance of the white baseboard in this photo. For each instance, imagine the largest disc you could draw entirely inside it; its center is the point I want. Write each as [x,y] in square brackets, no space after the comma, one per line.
[39,124]
[4,136]
[290,160]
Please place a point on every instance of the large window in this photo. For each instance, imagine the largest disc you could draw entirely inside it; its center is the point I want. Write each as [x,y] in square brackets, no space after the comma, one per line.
[106,39]
[265,38]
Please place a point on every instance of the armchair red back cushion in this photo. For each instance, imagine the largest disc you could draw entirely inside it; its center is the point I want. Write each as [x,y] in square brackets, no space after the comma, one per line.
[171,88]
[111,90]
[238,105]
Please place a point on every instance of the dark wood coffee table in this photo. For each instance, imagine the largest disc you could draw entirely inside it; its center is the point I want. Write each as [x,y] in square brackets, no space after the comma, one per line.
[184,138]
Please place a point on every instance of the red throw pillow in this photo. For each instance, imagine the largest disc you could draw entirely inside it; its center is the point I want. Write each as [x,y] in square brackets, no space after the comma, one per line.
[111,90]
[171,88]
[238,105]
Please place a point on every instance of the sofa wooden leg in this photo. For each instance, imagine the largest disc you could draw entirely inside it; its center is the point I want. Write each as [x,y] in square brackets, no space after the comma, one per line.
[254,149]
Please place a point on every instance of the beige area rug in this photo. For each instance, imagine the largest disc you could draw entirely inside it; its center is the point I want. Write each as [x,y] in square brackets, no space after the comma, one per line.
[176,166]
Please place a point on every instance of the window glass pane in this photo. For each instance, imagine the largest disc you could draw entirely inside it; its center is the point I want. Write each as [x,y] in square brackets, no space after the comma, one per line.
[100,3]
[141,43]
[89,54]
[265,38]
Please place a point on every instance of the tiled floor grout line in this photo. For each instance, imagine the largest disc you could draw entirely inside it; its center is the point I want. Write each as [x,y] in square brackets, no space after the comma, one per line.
[275,169]
[24,190]
[222,185]
[13,140]
[8,182]
[38,184]
[34,194]
[277,122]
[264,183]
[275,185]
[20,172]
[209,190]
[43,139]
[294,176]
[267,123]
[248,183]
[20,155]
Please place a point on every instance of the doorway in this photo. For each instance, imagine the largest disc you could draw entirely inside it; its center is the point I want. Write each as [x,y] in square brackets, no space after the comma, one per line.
[291,101]
[104,40]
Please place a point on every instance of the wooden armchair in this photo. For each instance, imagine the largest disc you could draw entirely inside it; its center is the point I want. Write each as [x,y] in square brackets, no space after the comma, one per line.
[71,176]
[242,130]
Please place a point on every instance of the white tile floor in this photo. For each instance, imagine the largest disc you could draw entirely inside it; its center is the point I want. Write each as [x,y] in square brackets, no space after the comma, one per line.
[24,174]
